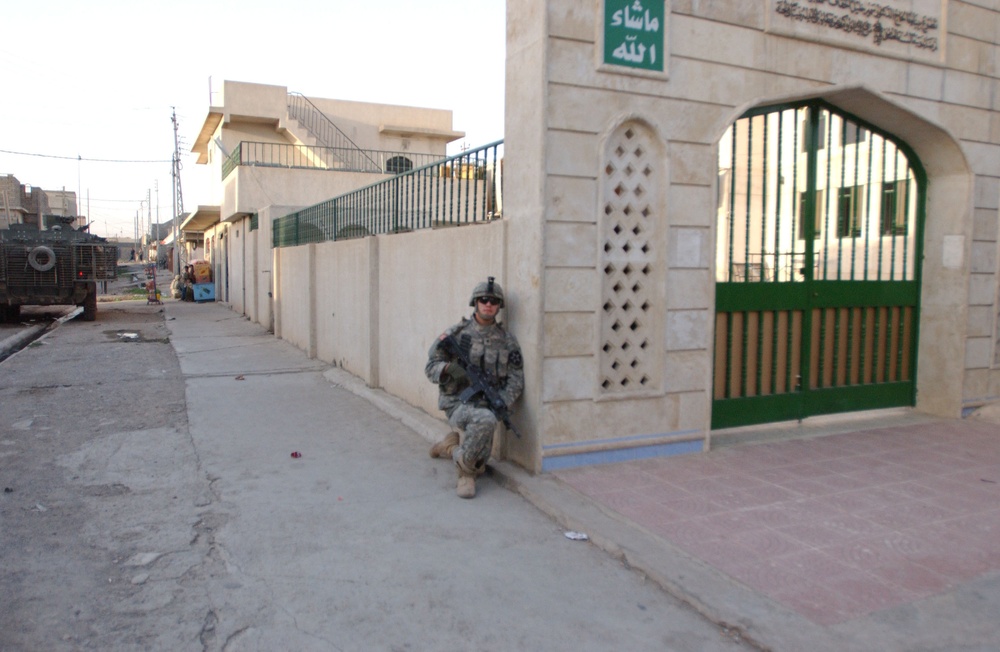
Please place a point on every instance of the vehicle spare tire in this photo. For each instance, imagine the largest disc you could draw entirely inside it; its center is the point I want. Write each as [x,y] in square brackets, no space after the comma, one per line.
[46,254]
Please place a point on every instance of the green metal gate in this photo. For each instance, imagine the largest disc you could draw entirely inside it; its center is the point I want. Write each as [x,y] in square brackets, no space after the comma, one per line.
[820,230]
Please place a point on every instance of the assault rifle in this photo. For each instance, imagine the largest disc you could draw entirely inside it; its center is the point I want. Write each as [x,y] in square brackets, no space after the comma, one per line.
[481,382]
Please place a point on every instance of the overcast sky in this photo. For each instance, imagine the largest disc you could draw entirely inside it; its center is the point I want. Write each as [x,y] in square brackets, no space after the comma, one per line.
[89,86]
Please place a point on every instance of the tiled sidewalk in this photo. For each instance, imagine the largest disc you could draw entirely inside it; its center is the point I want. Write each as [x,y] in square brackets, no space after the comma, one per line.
[833,527]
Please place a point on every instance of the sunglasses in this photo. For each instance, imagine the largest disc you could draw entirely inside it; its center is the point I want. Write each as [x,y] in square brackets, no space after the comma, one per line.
[493,301]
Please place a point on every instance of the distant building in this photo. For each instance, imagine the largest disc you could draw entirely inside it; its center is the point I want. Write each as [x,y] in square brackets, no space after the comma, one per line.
[24,204]
[20,203]
[62,203]
[275,151]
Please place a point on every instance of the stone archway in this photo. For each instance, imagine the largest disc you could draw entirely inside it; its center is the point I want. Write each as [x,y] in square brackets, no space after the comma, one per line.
[947,236]
[819,232]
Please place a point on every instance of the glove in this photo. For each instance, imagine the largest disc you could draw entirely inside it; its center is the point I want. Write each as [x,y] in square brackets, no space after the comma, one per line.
[455,373]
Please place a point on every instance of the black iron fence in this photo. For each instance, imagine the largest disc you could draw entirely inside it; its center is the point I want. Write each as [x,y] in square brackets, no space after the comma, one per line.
[461,189]
[302,157]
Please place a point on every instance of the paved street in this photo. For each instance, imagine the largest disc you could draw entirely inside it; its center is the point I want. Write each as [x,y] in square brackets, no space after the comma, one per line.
[154,504]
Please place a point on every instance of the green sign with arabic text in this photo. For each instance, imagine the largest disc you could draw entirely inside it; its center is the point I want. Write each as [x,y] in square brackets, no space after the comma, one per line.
[633,33]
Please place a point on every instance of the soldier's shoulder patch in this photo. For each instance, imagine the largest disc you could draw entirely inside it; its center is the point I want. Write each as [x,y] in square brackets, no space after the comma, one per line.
[515,360]
[453,329]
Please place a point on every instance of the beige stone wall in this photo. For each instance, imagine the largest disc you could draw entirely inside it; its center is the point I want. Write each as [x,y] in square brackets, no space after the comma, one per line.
[725,57]
[526,195]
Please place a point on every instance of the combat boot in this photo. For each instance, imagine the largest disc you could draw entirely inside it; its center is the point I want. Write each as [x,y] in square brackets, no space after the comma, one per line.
[466,485]
[444,447]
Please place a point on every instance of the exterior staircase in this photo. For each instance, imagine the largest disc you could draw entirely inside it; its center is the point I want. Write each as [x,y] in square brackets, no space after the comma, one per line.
[334,147]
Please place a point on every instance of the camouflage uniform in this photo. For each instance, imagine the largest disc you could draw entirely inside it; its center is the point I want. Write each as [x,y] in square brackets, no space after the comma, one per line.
[494,350]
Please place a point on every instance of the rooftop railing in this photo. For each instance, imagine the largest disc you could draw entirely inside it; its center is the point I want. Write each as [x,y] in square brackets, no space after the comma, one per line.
[461,189]
[302,157]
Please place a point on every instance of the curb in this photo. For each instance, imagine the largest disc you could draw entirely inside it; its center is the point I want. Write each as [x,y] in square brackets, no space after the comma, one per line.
[19,340]
[423,424]
[742,613]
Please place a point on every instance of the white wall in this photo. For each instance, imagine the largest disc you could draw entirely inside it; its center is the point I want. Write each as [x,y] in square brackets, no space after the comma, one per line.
[425,281]
[344,305]
[237,260]
[374,305]
[294,295]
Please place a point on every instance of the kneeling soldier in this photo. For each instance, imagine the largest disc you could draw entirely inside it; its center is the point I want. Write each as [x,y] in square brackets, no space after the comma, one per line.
[497,354]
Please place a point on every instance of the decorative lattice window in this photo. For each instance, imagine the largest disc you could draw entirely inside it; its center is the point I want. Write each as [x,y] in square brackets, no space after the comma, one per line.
[630,349]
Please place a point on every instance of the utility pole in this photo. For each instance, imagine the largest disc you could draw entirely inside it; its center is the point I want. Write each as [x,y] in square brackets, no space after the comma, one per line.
[79,185]
[143,241]
[149,218]
[160,250]
[178,196]
[6,209]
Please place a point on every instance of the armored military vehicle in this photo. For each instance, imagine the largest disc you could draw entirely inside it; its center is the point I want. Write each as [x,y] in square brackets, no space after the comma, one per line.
[58,266]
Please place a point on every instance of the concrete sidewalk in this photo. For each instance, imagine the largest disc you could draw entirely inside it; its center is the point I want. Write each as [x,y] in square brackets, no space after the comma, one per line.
[853,535]
[360,543]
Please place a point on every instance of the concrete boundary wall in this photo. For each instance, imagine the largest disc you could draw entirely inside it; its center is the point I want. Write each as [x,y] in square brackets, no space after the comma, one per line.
[344,305]
[237,261]
[294,296]
[373,306]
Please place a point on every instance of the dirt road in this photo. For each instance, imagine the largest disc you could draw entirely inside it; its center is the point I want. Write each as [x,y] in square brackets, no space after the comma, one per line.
[83,513]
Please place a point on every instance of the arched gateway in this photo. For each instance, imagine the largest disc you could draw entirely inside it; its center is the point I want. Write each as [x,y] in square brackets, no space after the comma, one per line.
[819,242]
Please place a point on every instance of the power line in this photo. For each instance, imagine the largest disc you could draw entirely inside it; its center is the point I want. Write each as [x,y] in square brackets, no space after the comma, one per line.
[81,158]
[120,201]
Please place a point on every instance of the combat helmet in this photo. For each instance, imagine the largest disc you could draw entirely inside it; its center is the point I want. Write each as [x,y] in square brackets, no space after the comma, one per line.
[489,288]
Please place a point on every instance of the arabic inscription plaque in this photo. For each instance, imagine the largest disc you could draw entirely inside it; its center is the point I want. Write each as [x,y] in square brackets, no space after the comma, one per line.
[906,29]
[633,34]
